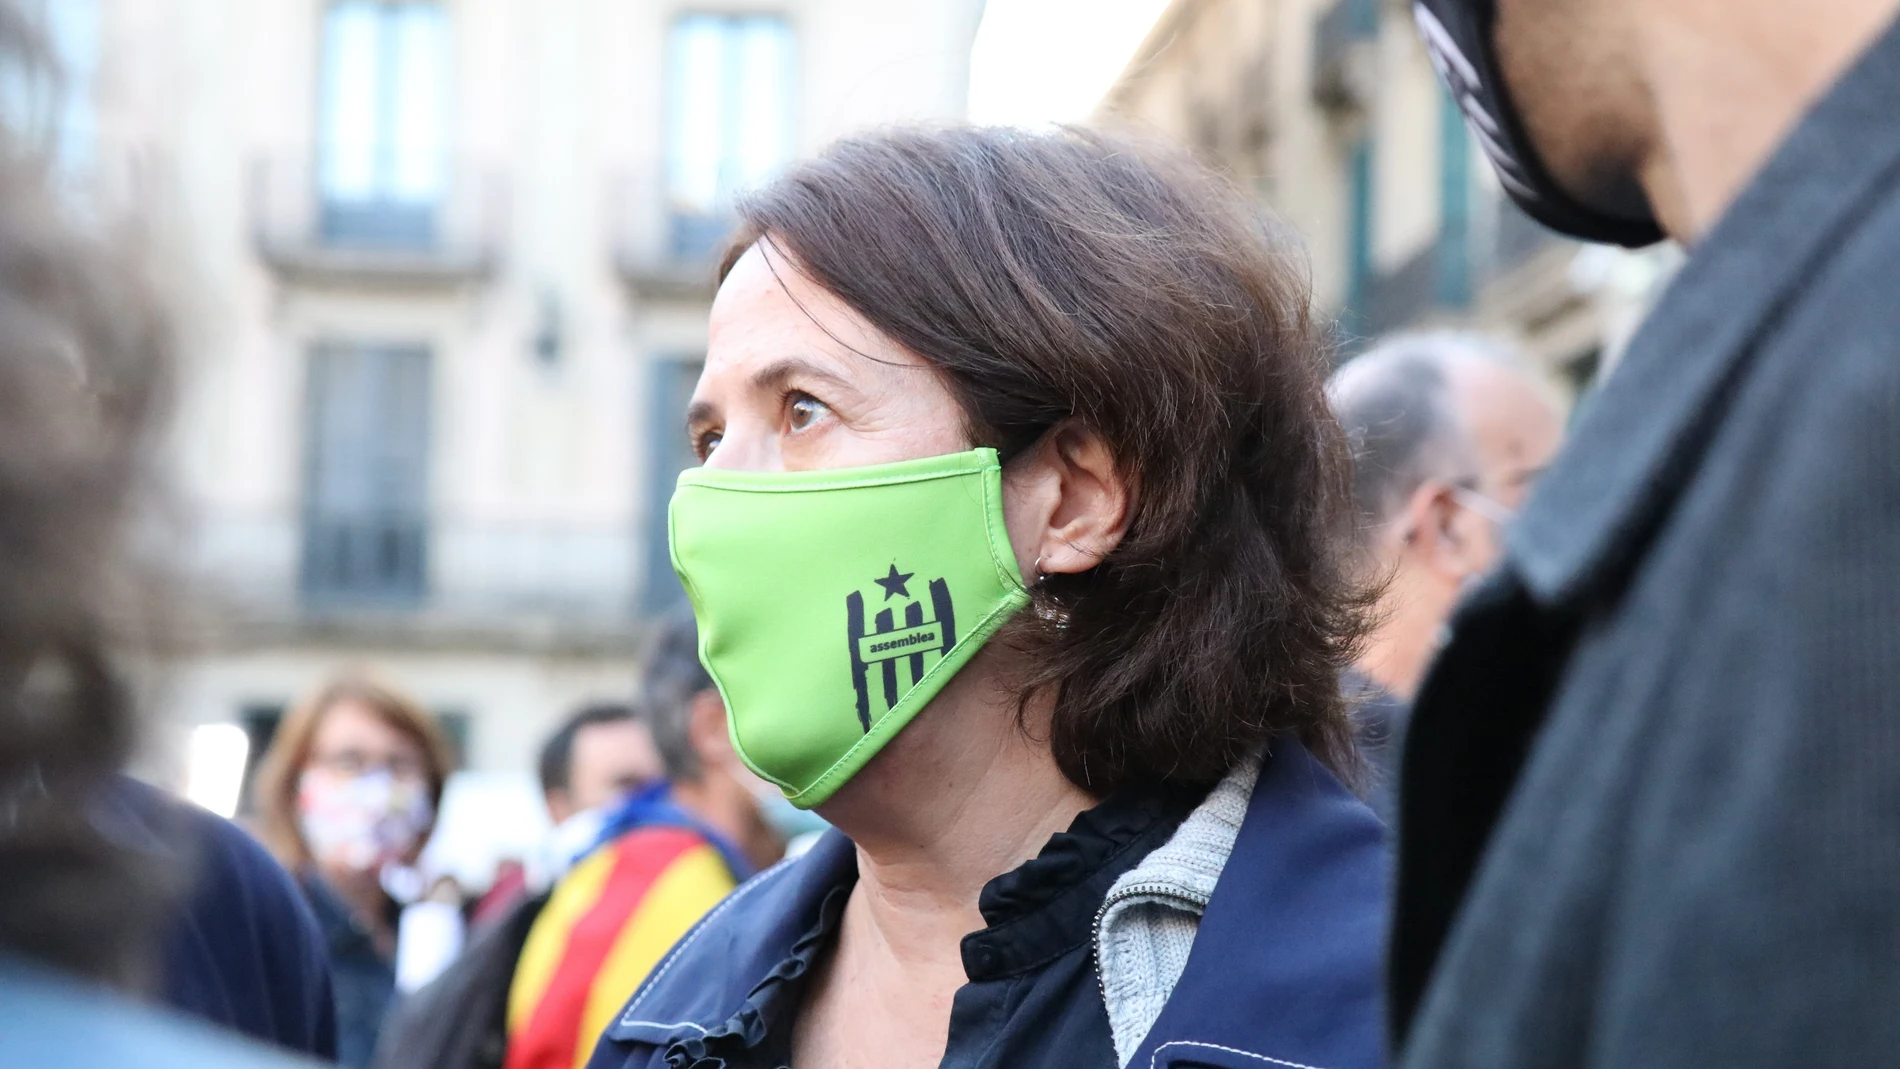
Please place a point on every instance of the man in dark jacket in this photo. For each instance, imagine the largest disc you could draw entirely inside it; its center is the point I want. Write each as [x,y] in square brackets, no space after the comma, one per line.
[1649,812]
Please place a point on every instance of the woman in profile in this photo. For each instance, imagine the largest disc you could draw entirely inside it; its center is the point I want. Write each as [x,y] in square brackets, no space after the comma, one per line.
[1018,553]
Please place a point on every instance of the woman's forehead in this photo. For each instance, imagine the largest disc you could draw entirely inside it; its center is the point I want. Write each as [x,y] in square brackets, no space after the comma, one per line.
[767,310]
[350,721]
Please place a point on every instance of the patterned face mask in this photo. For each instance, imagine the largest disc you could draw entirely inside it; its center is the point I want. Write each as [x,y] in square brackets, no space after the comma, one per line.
[362,822]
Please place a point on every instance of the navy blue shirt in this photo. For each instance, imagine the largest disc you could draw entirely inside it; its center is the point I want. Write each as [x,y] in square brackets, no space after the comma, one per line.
[364,979]
[243,949]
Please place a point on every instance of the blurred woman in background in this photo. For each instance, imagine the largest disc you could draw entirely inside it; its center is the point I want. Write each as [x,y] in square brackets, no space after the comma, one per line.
[349,788]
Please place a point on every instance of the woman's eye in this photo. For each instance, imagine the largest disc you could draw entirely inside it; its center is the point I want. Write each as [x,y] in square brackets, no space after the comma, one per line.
[803,411]
[705,442]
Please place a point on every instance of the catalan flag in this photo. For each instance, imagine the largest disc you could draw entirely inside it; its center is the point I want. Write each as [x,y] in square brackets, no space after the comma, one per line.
[606,925]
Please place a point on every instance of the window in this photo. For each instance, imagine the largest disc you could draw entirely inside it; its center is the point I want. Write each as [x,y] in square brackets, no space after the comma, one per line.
[457,726]
[1359,224]
[365,524]
[729,119]
[53,108]
[381,167]
[1454,205]
[669,453]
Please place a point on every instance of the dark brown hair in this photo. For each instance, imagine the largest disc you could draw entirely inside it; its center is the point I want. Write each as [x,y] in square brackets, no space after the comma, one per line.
[1094,278]
[275,790]
[84,356]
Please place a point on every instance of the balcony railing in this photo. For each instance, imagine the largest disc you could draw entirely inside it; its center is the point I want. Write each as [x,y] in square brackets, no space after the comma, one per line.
[378,560]
[306,232]
[489,574]
[1342,54]
[662,248]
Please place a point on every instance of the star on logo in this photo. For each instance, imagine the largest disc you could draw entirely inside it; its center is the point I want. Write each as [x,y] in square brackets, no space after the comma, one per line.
[893,583]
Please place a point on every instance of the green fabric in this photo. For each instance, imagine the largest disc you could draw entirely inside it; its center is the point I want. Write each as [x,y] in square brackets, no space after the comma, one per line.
[833,605]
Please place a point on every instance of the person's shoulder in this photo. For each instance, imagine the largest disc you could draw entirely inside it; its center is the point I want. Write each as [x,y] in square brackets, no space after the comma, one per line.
[1309,876]
[652,839]
[707,975]
[243,949]
[673,861]
[1850,300]
[219,852]
[1296,921]
[759,913]
[47,1019]
[1814,425]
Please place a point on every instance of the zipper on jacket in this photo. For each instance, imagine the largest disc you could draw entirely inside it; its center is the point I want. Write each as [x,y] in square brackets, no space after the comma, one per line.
[1152,889]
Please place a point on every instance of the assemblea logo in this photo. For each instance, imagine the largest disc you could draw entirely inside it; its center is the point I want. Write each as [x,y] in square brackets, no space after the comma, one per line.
[918,642]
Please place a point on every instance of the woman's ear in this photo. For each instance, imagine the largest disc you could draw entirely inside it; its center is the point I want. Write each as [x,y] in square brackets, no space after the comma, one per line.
[1066,504]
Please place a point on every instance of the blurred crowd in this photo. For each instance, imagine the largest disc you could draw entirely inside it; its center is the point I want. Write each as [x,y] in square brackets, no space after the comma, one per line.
[1094,657]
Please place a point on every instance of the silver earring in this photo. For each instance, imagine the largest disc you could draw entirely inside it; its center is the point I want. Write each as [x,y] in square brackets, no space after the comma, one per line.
[1045,611]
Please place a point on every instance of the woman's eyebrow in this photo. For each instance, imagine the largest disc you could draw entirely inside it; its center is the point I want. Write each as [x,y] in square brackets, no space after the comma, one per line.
[771,377]
[774,375]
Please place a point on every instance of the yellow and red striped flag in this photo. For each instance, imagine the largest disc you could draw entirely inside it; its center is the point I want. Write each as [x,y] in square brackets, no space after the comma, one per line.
[604,928]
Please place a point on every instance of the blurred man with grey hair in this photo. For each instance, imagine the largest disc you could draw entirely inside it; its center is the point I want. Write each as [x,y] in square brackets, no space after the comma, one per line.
[1448,435]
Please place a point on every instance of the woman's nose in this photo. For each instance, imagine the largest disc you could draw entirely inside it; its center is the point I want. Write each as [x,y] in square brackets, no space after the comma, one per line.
[746,449]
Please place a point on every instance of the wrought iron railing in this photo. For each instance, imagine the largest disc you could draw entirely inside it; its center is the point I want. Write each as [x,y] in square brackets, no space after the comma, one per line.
[300,228]
[275,563]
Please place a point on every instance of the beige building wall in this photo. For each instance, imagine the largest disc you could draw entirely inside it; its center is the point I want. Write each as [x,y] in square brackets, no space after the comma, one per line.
[545,475]
[1320,84]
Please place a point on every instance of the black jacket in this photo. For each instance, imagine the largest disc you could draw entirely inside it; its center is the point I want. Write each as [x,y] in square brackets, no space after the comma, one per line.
[459,1020]
[1650,808]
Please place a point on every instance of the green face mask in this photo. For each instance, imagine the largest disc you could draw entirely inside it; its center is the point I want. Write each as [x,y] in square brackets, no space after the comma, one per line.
[833,605]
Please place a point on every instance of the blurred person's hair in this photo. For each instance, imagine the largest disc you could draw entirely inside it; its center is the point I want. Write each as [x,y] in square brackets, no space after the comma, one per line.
[1395,402]
[556,764]
[1083,278]
[274,793]
[670,679]
[85,357]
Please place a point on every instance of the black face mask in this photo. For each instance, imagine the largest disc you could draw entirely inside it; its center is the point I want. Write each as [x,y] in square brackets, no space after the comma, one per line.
[1460,35]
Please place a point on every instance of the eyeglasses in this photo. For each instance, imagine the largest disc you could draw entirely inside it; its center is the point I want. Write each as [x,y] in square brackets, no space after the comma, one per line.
[354,763]
[1490,508]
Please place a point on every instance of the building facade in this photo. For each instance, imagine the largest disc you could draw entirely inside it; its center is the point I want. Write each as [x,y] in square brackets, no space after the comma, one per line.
[1330,111]
[442,270]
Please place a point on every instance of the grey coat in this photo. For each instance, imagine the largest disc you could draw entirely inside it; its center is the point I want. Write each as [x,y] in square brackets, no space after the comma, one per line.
[1650,805]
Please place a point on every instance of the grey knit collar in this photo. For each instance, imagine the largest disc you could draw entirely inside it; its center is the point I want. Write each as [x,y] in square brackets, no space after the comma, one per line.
[1149,917]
